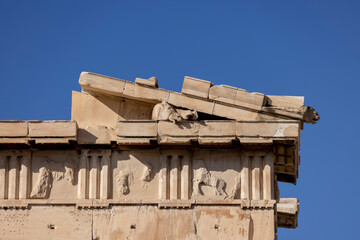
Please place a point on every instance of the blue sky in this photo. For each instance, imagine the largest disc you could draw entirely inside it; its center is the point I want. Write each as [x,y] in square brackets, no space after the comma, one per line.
[300,48]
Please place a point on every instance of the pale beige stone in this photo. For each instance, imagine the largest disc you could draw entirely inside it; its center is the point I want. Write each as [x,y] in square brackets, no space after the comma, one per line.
[138,92]
[13,129]
[249,100]
[287,212]
[102,84]
[163,172]
[13,177]
[105,175]
[196,87]
[223,93]
[24,176]
[88,110]
[181,100]
[245,178]
[151,82]
[295,102]
[41,188]
[53,129]
[268,178]
[187,129]
[164,112]
[137,129]
[207,169]
[267,129]
[217,128]
[238,114]
[185,176]
[256,177]
[3,179]
[288,205]
[82,175]
[124,141]
[174,178]
[96,135]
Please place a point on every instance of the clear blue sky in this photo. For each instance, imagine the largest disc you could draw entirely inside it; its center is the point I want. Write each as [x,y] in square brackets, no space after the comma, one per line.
[289,47]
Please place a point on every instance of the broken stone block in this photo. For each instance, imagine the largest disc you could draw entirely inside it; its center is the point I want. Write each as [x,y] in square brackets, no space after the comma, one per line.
[102,84]
[196,87]
[151,82]
[223,93]
[249,100]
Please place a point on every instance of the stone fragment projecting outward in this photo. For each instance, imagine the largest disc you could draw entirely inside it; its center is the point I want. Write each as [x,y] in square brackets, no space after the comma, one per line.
[139,162]
[164,111]
[310,114]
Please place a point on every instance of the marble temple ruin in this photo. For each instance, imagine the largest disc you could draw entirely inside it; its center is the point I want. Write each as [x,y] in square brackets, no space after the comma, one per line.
[139,162]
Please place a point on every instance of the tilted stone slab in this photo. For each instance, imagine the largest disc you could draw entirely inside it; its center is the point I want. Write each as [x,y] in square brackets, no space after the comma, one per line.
[147,94]
[196,87]
[223,93]
[249,100]
[180,100]
[102,84]
[197,95]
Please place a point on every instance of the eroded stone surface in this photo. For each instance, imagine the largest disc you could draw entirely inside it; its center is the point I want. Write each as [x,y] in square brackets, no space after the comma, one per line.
[139,162]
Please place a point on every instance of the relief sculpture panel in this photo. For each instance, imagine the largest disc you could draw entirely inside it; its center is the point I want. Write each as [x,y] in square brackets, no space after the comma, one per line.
[135,174]
[53,174]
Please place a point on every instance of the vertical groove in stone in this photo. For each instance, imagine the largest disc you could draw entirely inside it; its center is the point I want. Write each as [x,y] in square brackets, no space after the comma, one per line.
[82,175]
[163,177]
[245,179]
[185,178]
[104,175]
[13,189]
[93,177]
[268,178]
[256,178]
[174,178]
[24,176]
[3,178]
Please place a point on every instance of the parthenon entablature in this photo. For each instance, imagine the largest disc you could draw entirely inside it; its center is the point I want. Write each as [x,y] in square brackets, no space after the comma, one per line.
[136,160]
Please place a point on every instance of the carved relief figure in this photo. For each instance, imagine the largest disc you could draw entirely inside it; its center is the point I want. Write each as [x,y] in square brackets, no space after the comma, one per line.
[203,176]
[310,115]
[63,171]
[188,114]
[146,176]
[123,182]
[236,188]
[69,172]
[164,111]
[47,176]
[41,189]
